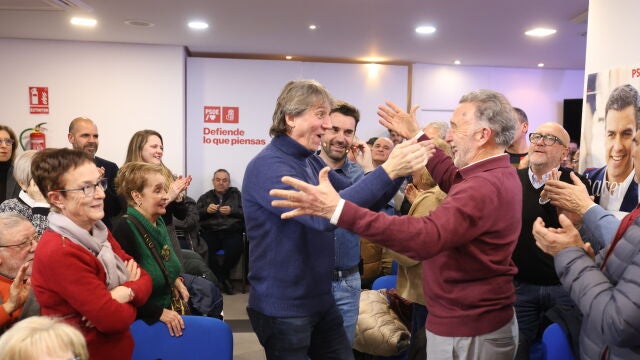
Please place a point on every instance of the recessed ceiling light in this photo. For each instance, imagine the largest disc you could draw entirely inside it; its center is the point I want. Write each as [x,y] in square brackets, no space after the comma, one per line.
[540,64]
[540,32]
[88,22]
[139,23]
[457,62]
[198,25]
[288,57]
[312,27]
[425,29]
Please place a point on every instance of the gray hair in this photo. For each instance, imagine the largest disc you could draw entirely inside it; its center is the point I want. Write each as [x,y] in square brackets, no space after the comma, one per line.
[22,167]
[494,110]
[622,97]
[8,222]
[441,126]
[296,98]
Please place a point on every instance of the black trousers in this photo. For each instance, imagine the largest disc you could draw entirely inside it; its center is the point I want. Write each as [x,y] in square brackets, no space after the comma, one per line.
[231,243]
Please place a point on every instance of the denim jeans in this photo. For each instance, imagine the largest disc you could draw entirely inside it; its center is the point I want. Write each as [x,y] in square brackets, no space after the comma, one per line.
[346,292]
[532,301]
[320,336]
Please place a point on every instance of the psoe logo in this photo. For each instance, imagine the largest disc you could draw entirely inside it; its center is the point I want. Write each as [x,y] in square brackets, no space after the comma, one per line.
[212,114]
[231,114]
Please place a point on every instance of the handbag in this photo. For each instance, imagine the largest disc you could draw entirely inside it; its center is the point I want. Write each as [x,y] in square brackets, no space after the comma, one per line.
[177,302]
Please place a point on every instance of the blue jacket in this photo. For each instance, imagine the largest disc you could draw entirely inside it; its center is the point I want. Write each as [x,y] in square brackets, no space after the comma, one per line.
[291,261]
[347,244]
[596,177]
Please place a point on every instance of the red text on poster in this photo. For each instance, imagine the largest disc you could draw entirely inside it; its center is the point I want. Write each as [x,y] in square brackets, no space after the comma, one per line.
[38,100]
[231,114]
[212,114]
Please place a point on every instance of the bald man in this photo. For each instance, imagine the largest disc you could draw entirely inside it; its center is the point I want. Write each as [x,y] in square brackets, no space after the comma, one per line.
[83,136]
[537,286]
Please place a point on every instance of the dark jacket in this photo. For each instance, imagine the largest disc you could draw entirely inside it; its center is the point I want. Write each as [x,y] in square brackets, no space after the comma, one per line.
[216,221]
[596,178]
[112,206]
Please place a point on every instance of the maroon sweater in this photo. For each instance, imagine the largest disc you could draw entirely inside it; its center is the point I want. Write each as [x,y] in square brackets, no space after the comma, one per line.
[467,243]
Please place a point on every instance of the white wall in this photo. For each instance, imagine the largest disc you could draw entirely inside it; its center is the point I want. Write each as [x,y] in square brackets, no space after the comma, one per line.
[123,88]
[540,93]
[253,86]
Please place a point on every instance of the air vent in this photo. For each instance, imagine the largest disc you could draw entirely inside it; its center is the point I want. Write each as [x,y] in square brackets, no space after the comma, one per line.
[44,5]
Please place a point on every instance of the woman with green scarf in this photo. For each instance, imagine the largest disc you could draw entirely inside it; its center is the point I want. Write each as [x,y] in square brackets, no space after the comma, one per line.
[144,187]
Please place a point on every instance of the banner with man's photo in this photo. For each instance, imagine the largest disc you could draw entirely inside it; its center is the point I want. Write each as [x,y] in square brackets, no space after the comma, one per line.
[608,127]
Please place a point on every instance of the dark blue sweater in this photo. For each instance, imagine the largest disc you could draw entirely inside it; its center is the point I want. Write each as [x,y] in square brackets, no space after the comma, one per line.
[291,261]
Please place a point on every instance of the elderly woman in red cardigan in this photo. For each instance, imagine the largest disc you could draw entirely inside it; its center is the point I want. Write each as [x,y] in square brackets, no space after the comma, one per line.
[80,273]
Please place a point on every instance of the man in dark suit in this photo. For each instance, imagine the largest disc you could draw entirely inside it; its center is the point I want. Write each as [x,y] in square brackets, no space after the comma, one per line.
[83,135]
[613,185]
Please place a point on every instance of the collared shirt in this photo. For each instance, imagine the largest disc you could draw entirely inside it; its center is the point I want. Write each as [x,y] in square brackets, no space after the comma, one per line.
[537,184]
[611,196]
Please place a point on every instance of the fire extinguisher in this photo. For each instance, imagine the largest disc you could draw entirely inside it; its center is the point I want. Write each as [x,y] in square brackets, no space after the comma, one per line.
[37,138]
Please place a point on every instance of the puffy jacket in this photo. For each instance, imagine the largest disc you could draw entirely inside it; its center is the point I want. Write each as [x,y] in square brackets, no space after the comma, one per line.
[379,331]
[607,298]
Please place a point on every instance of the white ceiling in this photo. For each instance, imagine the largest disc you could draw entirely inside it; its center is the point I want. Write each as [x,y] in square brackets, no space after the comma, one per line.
[478,32]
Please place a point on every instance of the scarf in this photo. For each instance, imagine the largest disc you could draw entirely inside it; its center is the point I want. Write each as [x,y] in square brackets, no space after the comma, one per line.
[97,244]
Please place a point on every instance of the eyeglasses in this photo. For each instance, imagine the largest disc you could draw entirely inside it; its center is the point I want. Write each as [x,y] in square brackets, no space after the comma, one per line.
[90,189]
[26,243]
[7,142]
[547,140]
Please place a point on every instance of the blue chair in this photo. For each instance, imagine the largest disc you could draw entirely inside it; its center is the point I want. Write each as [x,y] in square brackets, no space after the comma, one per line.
[555,344]
[394,267]
[202,338]
[385,282]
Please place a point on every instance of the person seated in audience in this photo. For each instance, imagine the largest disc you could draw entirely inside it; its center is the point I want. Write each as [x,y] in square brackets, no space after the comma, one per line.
[80,272]
[30,203]
[604,287]
[147,146]
[43,338]
[9,188]
[145,188]
[222,226]
[424,195]
[18,241]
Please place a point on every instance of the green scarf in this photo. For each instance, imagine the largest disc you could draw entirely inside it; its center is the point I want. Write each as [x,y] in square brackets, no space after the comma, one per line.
[161,293]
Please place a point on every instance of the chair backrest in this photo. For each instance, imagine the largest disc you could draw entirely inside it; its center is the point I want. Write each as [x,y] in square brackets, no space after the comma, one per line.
[202,338]
[385,282]
[556,344]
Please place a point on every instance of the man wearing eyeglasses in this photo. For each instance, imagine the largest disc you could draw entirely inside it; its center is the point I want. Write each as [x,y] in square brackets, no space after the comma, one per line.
[538,288]
[83,136]
[18,241]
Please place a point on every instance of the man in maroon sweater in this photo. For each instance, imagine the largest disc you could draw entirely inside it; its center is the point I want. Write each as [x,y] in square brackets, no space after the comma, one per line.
[467,241]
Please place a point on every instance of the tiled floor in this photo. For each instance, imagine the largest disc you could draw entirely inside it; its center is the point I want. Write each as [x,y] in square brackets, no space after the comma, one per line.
[245,343]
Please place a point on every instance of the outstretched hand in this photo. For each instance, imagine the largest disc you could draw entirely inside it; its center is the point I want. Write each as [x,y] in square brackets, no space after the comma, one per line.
[394,118]
[408,157]
[320,200]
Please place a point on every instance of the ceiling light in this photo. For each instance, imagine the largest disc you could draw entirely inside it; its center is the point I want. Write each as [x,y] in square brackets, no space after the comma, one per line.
[425,29]
[457,62]
[88,22]
[312,27]
[288,57]
[198,25]
[540,64]
[540,32]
